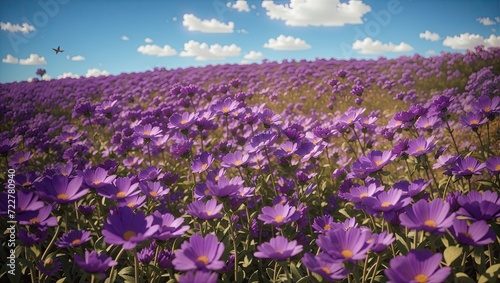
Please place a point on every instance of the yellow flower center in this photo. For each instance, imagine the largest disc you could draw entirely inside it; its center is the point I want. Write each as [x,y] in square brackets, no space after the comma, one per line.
[347,253]
[21,159]
[209,213]
[184,121]
[76,241]
[474,122]
[132,204]
[279,218]
[326,270]
[217,178]
[153,193]
[327,227]
[487,109]
[421,278]
[427,125]
[128,234]
[363,195]
[225,109]
[62,196]
[70,138]
[349,121]
[96,182]
[203,259]
[420,149]
[385,204]
[34,220]
[49,264]
[278,251]
[238,162]
[27,183]
[106,107]
[466,234]
[470,169]
[430,223]
[204,166]
[120,194]
[378,162]
[146,133]
[497,168]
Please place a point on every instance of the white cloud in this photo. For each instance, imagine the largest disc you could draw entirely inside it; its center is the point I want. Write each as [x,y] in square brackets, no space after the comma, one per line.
[497,19]
[242,31]
[368,46]
[469,41]
[68,75]
[124,37]
[94,72]
[207,26]
[427,35]
[253,55]
[9,59]
[430,52]
[286,43]
[174,19]
[34,59]
[244,62]
[77,58]
[486,21]
[148,40]
[253,6]
[240,5]
[155,50]
[203,52]
[24,28]
[317,13]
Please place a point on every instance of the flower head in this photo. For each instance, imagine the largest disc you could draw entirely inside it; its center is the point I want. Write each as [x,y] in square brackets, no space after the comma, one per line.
[39,218]
[169,226]
[339,245]
[94,262]
[466,167]
[202,162]
[199,253]
[431,216]
[203,210]
[420,146]
[328,270]
[198,276]
[417,266]
[279,214]
[479,206]
[477,234]
[50,266]
[278,248]
[73,238]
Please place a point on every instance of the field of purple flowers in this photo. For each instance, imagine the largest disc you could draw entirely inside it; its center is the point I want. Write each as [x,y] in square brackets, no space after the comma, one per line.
[350,171]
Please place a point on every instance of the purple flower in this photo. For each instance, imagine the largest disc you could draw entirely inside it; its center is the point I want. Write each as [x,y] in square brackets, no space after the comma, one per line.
[473,120]
[94,262]
[380,241]
[153,189]
[73,238]
[268,118]
[235,159]
[182,122]
[19,158]
[323,224]
[50,266]
[165,258]
[225,187]
[40,217]
[199,253]
[59,189]
[287,149]
[425,123]
[279,214]
[387,202]
[417,266]
[133,202]
[348,119]
[121,188]
[328,270]
[412,189]
[146,255]
[339,245]
[493,165]
[466,167]
[225,107]
[202,162]
[27,201]
[488,106]
[96,179]
[431,216]
[30,239]
[261,141]
[478,234]
[278,248]
[147,132]
[208,210]
[374,161]
[128,228]
[477,206]
[169,226]
[420,146]
[198,276]
[149,174]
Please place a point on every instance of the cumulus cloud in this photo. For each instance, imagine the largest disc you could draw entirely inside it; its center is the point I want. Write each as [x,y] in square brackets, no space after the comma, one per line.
[9,59]
[148,40]
[124,37]
[206,26]
[253,55]
[77,58]
[283,42]
[369,46]
[469,41]
[427,35]
[34,59]
[317,13]
[204,52]
[24,28]
[68,75]
[156,50]
[94,72]
[240,5]
[486,21]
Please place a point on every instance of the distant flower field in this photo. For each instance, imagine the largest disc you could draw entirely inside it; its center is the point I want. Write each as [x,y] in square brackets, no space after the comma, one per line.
[326,171]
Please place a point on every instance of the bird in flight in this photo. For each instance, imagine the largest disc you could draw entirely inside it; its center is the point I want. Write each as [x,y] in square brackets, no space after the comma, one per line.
[58,49]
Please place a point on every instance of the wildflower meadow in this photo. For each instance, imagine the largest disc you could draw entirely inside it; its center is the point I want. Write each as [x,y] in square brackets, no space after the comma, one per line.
[331,170]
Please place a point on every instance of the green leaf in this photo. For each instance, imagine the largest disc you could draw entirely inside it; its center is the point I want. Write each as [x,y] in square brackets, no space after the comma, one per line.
[492,275]
[254,278]
[270,273]
[451,253]
[463,278]
[308,279]
[295,271]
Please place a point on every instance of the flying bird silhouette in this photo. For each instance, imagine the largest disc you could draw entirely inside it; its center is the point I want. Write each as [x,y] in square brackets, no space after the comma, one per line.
[58,49]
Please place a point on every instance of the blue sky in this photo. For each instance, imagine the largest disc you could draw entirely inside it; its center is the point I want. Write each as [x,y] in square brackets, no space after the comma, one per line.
[112,37]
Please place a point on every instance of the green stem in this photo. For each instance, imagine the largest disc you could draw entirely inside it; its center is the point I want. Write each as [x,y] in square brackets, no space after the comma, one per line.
[375,269]
[136,267]
[452,138]
[111,277]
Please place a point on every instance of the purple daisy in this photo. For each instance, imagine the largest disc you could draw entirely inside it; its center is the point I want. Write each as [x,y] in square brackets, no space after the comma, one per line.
[37,237]
[147,131]
[387,202]
[380,241]
[473,120]
[235,159]
[96,179]
[322,224]
[202,162]
[198,276]
[431,216]
[260,141]
[133,202]
[328,270]
[27,201]
[94,262]
[153,189]
[287,149]
[479,233]
[169,226]
[488,106]
[73,238]
[339,245]
[121,188]
[199,253]
[412,189]
[279,214]
[479,206]
[466,167]
[60,190]
[19,158]
[182,121]
[420,146]
[417,266]
[128,228]
[202,210]
[225,107]
[493,165]
[225,187]
[374,161]
[40,217]
[278,248]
